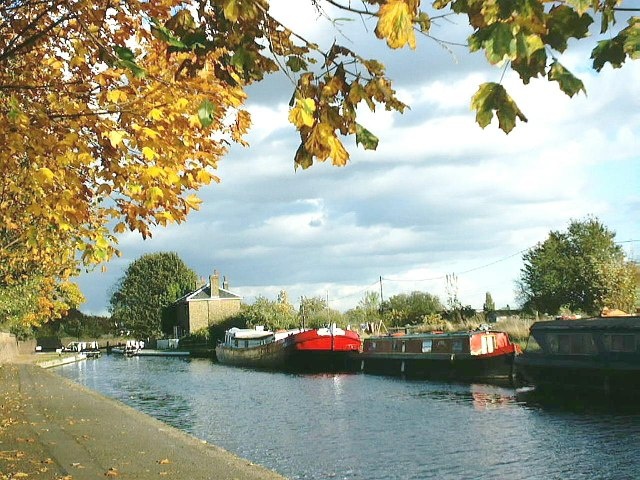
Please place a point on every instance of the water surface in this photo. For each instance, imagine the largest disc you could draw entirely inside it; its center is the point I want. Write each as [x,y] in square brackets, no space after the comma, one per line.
[355,426]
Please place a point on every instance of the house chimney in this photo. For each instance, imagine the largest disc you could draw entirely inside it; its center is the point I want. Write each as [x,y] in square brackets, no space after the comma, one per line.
[225,284]
[214,284]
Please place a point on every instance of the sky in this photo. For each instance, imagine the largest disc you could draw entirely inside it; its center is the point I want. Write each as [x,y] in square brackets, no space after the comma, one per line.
[440,197]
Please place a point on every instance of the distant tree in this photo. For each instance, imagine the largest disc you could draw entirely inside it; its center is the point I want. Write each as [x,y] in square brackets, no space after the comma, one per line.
[489,305]
[581,269]
[274,314]
[410,309]
[148,287]
[311,311]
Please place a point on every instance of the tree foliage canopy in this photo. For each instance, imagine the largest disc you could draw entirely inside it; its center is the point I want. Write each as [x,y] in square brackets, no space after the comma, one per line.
[148,287]
[411,309]
[581,269]
[114,113]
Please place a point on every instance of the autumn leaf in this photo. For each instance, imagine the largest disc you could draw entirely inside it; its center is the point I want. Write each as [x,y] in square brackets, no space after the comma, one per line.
[116,136]
[149,153]
[302,113]
[395,24]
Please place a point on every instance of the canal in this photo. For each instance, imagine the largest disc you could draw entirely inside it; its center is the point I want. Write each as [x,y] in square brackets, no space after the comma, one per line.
[355,426]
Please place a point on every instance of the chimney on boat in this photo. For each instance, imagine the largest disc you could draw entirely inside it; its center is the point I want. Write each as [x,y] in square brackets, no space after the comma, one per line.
[214,284]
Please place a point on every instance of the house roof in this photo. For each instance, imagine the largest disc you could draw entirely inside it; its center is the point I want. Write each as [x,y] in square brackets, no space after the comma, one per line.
[204,293]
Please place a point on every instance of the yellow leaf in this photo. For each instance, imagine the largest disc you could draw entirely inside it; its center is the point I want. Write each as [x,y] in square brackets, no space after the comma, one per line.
[155,193]
[150,133]
[302,113]
[338,152]
[120,227]
[45,175]
[203,177]
[155,171]
[181,103]
[231,10]
[194,121]
[395,24]
[155,114]
[116,96]
[193,202]
[149,153]
[115,137]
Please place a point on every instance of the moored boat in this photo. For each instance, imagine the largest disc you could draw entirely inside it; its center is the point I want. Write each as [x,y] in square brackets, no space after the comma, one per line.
[598,355]
[298,350]
[482,354]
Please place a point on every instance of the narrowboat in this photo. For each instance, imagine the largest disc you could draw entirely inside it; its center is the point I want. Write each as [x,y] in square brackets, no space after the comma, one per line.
[598,355]
[324,349]
[481,354]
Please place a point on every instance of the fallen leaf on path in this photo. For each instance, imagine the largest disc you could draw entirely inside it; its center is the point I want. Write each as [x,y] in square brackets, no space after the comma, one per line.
[112,472]
[164,461]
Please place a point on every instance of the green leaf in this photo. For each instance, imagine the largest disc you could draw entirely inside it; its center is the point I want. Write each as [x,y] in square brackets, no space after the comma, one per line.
[532,66]
[296,63]
[364,137]
[124,53]
[127,60]
[497,40]
[166,35]
[569,84]
[611,51]
[563,23]
[492,97]
[206,113]
[303,158]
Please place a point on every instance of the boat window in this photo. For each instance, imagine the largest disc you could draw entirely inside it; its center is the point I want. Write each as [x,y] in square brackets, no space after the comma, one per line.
[441,346]
[488,343]
[571,344]
[246,344]
[236,343]
[426,346]
[620,342]
[398,346]
[457,346]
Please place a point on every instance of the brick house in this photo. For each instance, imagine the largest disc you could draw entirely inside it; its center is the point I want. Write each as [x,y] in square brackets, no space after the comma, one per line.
[206,306]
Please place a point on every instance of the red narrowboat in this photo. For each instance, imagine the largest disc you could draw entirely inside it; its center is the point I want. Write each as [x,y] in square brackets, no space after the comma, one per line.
[324,349]
[472,355]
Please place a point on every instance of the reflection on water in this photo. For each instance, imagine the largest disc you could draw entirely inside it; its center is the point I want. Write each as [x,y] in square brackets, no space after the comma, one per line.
[371,427]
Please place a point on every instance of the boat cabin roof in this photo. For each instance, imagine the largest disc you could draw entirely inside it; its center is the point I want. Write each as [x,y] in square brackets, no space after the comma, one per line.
[595,323]
[428,335]
[249,333]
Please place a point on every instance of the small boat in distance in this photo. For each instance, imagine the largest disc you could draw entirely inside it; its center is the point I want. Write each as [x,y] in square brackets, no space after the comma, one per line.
[482,354]
[600,355]
[324,349]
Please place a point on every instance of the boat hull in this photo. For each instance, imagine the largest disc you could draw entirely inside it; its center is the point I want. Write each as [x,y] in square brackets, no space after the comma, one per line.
[579,375]
[463,367]
[306,351]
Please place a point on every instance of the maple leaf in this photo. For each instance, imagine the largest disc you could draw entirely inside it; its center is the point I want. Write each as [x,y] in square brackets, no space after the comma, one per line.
[395,24]
[302,113]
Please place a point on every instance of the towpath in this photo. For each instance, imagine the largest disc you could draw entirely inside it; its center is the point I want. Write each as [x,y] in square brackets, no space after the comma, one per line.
[52,428]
